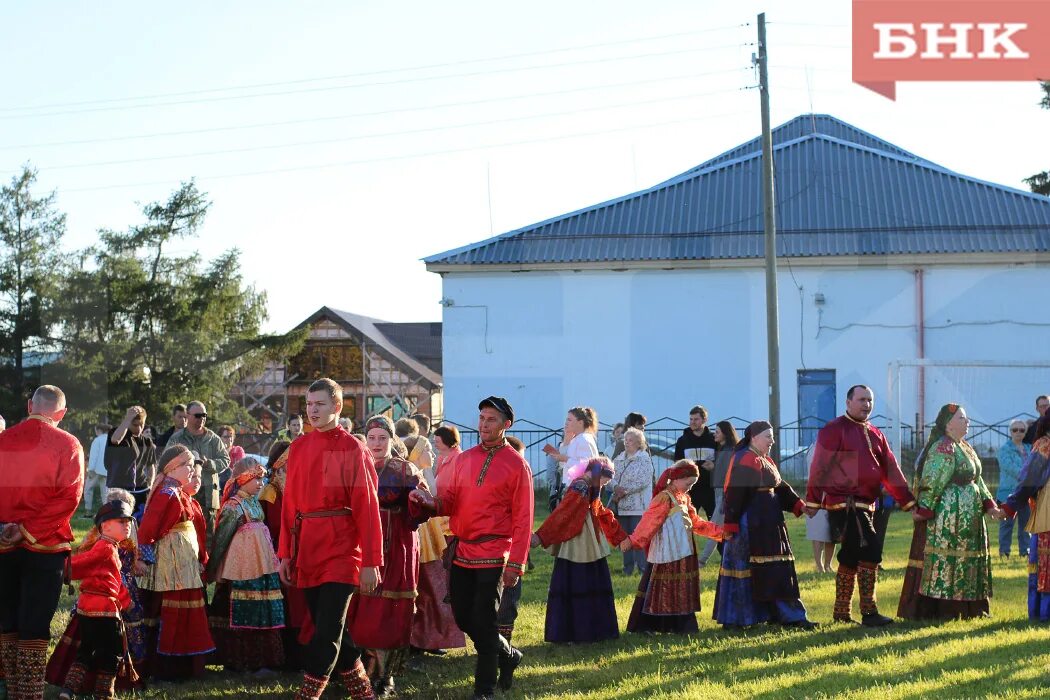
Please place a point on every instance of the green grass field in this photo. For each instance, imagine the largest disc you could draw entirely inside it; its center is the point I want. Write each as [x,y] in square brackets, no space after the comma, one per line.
[1003,657]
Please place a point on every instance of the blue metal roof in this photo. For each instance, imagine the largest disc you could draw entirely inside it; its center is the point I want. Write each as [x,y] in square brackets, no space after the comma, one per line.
[840,193]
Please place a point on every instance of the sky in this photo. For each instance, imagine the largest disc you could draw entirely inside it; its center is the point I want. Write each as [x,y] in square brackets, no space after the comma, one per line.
[359,137]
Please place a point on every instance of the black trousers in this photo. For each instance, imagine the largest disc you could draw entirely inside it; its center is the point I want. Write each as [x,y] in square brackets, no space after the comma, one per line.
[101,644]
[30,585]
[475,605]
[855,530]
[330,649]
[508,605]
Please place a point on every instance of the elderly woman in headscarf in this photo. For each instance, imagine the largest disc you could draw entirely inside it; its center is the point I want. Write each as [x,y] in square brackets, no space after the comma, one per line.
[580,602]
[1032,486]
[381,621]
[247,610]
[757,581]
[949,568]
[668,595]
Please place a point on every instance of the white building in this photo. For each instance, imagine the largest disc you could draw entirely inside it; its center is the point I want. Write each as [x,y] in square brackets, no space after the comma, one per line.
[656,301]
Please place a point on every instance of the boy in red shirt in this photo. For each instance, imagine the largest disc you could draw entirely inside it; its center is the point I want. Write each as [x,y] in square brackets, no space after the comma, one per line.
[102,597]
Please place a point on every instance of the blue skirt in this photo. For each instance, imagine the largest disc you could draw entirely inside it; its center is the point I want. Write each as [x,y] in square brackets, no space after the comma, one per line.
[580,603]
[735,604]
[1038,603]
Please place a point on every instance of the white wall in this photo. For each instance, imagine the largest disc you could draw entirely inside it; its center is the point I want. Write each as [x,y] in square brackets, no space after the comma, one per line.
[659,341]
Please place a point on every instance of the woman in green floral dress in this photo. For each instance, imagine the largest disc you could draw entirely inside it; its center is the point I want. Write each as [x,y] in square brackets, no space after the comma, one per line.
[953,500]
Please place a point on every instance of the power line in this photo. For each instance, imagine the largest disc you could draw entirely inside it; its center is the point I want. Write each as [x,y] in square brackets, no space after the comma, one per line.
[373,84]
[313,120]
[388,71]
[423,130]
[412,156]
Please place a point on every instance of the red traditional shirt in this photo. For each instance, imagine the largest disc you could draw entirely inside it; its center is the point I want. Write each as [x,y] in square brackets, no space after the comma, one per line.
[41,481]
[102,591]
[330,471]
[852,459]
[169,507]
[657,512]
[489,493]
[567,519]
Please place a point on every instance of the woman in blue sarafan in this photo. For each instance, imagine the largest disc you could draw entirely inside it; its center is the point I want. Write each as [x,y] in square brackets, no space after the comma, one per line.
[757,581]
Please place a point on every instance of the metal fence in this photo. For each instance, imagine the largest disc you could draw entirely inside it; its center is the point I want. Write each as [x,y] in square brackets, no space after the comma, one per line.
[795,441]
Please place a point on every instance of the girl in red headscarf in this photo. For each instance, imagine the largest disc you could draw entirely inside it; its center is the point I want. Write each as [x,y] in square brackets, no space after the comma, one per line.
[247,610]
[669,592]
[580,602]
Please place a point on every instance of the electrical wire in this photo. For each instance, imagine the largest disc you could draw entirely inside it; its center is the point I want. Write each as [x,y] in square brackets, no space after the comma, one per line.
[384,112]
[448,64]
[402,81]
[407,132]
[412,156]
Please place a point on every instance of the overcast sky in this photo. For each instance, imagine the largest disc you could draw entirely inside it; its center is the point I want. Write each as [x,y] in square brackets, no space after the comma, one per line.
[363,136]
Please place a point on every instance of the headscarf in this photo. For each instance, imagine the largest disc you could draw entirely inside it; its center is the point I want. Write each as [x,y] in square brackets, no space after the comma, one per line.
[756,428]
[592,471]
[679,470]
[247,469]
[168,460]
[940,427]
[275,486]
[380,421]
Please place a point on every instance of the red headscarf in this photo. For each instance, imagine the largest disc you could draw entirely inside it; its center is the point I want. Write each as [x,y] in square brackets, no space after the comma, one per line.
[679,470]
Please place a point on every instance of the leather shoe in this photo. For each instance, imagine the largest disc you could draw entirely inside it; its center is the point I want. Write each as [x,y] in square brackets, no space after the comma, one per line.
[875,620]
[507,664]
[804,624]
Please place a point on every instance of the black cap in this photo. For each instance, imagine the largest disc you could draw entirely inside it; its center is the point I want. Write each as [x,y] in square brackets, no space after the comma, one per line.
[114,510]
[500,404]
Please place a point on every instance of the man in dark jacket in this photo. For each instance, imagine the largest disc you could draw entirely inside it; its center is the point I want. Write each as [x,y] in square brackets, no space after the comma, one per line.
[698,444]
[178,422]
[1042,405]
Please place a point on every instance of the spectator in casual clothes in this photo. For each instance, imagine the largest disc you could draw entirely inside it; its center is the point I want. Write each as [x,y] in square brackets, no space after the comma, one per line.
[726,439]
[130,457]
[95,479]
[615,435]
[697,444]
[212,452]
[178,422]
[294,429]
[1042,406]
[633,420]
[632,488]
[582,424]
[1012,456]
[227,434]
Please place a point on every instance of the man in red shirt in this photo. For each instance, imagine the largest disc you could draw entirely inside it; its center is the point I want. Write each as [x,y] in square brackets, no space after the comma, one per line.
[331,538]
[41,480]
[851,463]
[489,500]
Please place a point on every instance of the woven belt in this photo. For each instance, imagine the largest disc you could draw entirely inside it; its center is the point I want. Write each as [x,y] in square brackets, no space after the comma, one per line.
[296,529]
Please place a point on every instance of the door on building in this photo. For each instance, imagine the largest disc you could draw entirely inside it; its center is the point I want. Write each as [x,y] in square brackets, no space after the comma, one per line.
[816,402]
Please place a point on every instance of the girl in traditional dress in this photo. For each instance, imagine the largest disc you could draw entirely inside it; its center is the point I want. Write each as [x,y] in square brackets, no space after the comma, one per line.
[1032,485]
[950,537]
[757,581]
[247,610]
[580,602]
[669,593]
[130,566]
[296,614]
[382,620]
[171,539]
[434,628]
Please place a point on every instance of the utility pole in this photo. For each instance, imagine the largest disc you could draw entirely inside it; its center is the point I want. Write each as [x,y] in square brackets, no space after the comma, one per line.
[769,216]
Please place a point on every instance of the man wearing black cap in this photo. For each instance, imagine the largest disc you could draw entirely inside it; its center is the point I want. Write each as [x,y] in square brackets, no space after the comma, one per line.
[489,503]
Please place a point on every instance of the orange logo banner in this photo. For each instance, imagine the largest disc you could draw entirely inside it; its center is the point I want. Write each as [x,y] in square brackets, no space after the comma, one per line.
[940,40]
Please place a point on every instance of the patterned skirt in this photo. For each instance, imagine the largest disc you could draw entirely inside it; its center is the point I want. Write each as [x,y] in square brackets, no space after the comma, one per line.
[580,603]
[668,598]
[178,640]
[65,654]
[433,626]
[736,603]
[246,619]
[916,606]
[1039,577]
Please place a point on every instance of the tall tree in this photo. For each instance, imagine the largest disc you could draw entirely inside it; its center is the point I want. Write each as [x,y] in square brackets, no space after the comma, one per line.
[1040,182]
[143,325]
[31,230]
